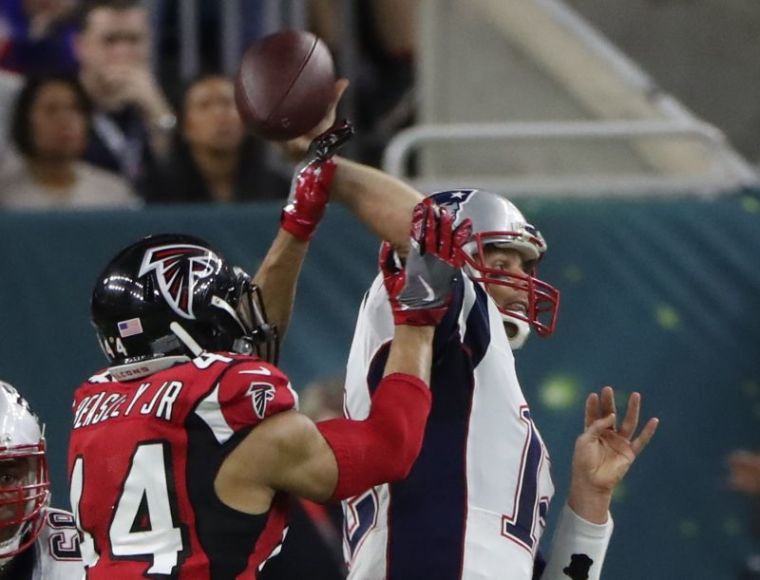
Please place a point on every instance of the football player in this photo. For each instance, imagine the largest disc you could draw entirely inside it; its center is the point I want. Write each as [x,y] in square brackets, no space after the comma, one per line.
[36,541]
[474,503]
[183,448]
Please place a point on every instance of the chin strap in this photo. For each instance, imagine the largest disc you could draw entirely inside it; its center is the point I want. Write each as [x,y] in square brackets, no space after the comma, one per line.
[185,338]
[520,331]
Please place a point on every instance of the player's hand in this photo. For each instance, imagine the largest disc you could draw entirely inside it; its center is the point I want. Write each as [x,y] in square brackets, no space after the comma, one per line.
[419,291]
[310,188]
[296,149]
[605,452]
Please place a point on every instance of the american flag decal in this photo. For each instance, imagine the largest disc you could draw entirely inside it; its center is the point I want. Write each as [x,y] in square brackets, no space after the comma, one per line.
[130,327]
[261,394]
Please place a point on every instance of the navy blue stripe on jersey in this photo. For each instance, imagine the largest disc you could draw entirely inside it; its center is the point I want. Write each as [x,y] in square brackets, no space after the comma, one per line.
[477,337]
[448,328]
[428,510]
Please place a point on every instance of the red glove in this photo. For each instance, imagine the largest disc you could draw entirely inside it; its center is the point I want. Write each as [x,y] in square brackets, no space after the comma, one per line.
[420,290]
[310,188]
[309,194]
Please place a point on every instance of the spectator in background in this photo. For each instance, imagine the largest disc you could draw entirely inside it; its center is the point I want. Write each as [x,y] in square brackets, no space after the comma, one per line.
[36,36]
[49,130]
[386,40]
[313,548]
[133,122]
[215,159]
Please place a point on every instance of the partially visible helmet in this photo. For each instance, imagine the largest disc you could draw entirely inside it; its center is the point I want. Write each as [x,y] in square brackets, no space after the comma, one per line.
[172,294]
[24,483]
[496,221]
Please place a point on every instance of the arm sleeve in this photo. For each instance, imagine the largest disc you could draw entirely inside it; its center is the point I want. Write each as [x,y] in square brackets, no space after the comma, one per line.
[384,446]
[578,548]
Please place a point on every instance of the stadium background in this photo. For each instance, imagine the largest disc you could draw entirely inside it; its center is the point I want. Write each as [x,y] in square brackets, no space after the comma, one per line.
[659,295]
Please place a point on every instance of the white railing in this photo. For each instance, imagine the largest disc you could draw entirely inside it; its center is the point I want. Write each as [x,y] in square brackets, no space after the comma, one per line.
[727,171]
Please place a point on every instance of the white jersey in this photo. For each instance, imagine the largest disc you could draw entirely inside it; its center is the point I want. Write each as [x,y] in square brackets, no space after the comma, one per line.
[54,556]
[474,503]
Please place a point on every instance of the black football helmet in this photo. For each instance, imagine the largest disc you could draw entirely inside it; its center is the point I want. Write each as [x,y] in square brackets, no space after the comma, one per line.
[172,294]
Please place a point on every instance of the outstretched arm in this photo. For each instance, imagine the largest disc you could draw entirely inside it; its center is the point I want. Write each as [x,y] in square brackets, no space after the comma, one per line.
[603,455]
[381,201]
[339,458]
[278,274]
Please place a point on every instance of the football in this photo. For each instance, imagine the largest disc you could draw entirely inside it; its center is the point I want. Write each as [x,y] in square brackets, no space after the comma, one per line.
[285,84]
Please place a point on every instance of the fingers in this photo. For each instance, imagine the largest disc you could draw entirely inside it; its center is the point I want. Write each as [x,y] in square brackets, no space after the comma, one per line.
[340,87]
[598,426]
[445,236]
[417,231]
[430,233]
[432,229]
[645,436]
[592,410]
[389,261]
[608,401]
[461,236]
[631,421]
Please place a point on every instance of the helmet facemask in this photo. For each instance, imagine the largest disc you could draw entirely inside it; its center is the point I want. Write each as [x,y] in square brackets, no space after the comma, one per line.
[542,298]
[258,336]
[497,222]
[24,492]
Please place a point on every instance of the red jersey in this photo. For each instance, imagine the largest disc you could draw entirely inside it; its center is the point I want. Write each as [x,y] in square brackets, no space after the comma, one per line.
[143,457]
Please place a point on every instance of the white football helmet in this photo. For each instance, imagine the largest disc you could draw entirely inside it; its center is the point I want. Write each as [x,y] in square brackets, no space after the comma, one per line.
[496,221]
[24,482]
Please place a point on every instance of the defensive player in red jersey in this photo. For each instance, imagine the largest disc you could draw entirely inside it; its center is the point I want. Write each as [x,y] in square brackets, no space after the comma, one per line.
[183,447]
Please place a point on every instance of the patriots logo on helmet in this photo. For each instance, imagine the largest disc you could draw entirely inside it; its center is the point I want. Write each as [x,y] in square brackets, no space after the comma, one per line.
[453,199]
[261,394]
[179,269]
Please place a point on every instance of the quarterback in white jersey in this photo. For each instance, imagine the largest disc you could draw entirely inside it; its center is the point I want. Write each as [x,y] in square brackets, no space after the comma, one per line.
[473,506]
[36,542]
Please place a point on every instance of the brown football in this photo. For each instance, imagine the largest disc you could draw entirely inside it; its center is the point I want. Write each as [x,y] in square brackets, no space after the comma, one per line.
[285,84]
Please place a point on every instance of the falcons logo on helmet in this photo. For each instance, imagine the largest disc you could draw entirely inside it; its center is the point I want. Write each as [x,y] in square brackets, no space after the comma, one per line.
[261,394]
[179,268]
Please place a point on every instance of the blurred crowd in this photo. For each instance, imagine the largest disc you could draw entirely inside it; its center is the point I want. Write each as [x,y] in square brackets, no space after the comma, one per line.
[87,121]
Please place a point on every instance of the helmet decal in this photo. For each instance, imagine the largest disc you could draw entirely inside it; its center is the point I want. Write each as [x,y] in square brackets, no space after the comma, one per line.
[178,269]
[453,200]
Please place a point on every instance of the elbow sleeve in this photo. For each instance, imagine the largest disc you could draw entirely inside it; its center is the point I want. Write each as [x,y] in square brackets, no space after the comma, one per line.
[383,447]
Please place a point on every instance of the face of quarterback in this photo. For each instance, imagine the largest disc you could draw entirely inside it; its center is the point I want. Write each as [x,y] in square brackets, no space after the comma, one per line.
[507,297]
[14,474]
